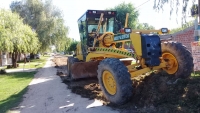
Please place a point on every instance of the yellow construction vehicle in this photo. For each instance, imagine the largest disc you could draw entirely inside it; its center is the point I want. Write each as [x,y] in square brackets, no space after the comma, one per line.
[101,54]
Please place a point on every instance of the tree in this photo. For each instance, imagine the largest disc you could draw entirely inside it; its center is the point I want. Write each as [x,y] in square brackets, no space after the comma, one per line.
[72,46]
[46,20]
[124,8]
[184,26]
[145,26]
[15,37]
[174,6]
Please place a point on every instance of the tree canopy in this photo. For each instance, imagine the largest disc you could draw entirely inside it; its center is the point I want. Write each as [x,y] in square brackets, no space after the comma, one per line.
[45,19]
[175,6]
[124,8]
[184,26]
[133,22]
[16,36]
[145,26]
[72,46]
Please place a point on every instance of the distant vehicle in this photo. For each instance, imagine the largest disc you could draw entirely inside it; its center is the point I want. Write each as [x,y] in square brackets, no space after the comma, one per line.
[28,58]
[37,56]
[46,53]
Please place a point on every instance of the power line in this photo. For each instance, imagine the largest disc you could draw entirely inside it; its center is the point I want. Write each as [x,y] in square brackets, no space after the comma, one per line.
[142,4]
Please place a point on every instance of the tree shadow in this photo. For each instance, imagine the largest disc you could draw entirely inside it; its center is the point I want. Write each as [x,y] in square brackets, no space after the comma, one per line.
[12,101]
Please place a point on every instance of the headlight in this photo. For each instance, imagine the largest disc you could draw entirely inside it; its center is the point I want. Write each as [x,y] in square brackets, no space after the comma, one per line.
[164,30]
[127,30]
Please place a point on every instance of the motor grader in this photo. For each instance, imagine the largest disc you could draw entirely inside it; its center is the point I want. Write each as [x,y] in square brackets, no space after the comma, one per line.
[101,53]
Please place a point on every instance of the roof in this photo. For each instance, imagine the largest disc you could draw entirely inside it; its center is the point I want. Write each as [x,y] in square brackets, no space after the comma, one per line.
[94,10]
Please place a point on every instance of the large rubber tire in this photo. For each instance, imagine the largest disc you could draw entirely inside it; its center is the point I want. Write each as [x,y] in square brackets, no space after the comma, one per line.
[124,88]
[183,57]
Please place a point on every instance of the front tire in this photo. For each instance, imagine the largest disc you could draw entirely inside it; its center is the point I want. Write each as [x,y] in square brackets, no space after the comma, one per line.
[179,58]
[114,80]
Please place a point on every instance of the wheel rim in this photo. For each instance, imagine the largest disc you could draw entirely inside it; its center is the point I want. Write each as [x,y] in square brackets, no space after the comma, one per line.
[172,63]
[109,82]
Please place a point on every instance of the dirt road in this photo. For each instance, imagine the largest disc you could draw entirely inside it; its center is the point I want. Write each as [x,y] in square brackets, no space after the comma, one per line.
[47,94]
[154,93]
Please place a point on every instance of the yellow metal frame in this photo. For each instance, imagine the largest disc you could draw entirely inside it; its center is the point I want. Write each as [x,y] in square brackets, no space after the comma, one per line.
[136,72]
[110,51]
[78,51]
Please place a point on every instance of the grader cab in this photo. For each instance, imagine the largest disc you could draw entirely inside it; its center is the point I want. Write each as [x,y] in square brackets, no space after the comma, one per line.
[101,54]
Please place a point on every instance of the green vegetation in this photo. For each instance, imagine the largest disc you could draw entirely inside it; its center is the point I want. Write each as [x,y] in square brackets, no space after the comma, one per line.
[34,63]
[32,26]
[184,26]
[72,46]
[133,21]
[179,7]
[46,20]
[13,86]
[145,26]
[124,8]
[16,37]
[197,73]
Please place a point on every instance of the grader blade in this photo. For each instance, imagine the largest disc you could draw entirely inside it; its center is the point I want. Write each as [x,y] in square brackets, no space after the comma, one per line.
[84,69]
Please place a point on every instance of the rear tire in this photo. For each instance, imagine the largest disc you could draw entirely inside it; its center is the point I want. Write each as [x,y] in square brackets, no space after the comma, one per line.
[123,89]
[183,57]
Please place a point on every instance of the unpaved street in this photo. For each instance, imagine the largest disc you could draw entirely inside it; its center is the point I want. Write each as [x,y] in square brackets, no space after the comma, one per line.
[155,93]
[47,94]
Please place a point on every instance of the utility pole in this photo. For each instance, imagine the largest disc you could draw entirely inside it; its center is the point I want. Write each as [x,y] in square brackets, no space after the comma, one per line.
[199,10]
[197,23]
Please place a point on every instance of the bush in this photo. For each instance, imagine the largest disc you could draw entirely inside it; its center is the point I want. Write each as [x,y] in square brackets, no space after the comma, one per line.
[2,71]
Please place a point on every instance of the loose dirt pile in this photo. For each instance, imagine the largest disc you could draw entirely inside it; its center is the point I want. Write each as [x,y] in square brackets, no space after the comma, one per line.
[156,93]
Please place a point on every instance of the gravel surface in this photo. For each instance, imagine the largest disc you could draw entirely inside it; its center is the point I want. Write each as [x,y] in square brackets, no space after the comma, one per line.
[153,93]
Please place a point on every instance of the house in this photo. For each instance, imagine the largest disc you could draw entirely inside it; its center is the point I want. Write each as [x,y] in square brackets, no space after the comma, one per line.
[5,59]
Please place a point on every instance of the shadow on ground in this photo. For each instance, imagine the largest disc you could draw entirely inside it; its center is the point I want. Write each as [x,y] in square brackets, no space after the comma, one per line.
[156,93]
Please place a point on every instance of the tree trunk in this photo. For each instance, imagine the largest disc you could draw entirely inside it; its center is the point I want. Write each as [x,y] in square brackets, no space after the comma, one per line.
[24,58]
[14,59]
[0,59]
[19,56]
[32,56]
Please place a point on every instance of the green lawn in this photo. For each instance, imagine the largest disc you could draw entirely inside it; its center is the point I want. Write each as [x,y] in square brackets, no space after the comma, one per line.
[197,73]
[12,87]
[34,63]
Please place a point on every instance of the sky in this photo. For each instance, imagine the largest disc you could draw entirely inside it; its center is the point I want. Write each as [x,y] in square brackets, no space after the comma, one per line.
[73,9]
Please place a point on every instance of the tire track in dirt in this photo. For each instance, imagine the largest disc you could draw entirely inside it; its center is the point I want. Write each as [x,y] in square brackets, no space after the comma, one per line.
[153,93]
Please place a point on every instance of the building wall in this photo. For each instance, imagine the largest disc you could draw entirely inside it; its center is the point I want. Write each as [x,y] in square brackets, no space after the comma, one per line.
[185,37]
[8,60]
